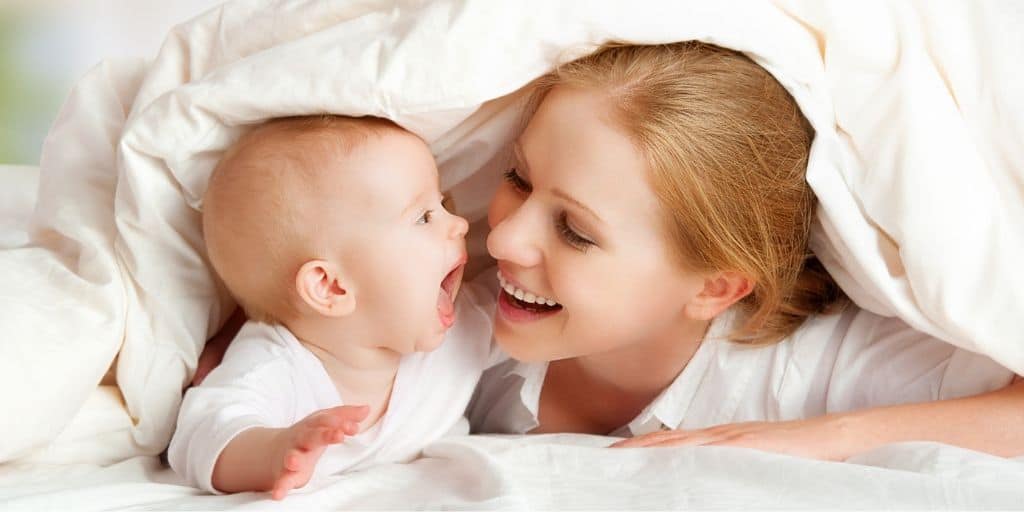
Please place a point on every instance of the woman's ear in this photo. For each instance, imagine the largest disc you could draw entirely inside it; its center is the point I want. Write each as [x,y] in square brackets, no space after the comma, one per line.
[320,286]
[721,290]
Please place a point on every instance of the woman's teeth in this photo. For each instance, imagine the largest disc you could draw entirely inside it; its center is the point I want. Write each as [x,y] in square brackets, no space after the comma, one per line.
[524,295]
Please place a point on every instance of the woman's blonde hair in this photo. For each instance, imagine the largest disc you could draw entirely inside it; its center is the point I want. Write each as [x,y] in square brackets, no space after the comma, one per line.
[727,147]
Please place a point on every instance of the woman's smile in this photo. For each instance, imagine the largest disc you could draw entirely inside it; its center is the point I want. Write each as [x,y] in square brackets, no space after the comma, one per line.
[519,304]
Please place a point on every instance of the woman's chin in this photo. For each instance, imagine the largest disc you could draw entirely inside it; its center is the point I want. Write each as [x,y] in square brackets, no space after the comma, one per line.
[522,347]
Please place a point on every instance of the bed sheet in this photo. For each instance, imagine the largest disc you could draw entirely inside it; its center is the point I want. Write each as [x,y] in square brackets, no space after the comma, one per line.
[562,472]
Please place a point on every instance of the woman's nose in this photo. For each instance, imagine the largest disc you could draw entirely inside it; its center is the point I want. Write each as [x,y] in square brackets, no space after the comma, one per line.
[516,239]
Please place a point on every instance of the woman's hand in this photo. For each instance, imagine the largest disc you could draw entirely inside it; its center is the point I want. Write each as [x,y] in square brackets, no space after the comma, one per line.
[825,438]
[842,435]
[213,351]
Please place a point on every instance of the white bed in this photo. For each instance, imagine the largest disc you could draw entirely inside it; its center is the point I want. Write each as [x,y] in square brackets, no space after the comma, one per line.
[562,472]
[918,148]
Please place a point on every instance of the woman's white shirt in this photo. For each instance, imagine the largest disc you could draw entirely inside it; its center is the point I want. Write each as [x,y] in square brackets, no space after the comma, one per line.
[840,362]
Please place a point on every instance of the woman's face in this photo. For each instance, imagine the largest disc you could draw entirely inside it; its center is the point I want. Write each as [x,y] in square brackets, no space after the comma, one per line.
[577,224]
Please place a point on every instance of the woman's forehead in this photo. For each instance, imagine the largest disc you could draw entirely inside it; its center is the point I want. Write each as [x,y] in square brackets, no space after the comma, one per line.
[572,146]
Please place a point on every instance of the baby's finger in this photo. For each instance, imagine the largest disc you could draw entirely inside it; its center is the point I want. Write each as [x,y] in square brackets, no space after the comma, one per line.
[282,486]
[310,438]
[351,428]
[293,460]
[285,484]
[333,435]
[350,412]
[336,417]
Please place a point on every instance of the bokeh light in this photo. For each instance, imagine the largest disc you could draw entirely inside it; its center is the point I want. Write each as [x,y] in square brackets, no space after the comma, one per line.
[45,46]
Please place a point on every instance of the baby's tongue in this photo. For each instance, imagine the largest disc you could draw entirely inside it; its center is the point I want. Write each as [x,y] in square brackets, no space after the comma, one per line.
[445,308]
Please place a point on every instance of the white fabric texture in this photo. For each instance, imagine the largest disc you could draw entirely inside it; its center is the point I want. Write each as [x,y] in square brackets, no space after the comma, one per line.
[100,432]
[269,379]
[559,472]
[917,162]
[851,360]
[17,197]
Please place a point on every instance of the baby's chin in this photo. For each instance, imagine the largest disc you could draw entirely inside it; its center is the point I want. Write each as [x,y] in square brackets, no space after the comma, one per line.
[430,344]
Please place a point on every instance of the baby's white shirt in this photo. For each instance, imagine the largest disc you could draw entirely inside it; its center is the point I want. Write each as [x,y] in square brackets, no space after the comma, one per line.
[268,379]
[833,363]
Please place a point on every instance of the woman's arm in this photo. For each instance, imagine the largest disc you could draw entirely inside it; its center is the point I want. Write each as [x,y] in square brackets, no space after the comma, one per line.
[990,422]
[213,351]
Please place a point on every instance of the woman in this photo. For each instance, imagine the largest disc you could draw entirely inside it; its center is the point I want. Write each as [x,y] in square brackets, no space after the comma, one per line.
[651,242]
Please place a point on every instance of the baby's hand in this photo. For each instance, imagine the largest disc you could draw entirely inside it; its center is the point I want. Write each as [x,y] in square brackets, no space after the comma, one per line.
[302,444]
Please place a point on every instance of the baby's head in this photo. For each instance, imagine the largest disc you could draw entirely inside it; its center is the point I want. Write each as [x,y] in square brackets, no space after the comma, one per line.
[328,222]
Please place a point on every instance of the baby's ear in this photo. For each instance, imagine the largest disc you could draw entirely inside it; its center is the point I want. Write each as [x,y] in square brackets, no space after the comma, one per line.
[320,285]
[721,290]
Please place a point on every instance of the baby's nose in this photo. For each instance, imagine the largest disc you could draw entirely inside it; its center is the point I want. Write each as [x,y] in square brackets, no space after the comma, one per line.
[459,227]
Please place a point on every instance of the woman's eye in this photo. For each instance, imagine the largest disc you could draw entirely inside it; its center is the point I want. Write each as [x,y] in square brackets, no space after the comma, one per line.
[512,176]
[425,218]
[570,236]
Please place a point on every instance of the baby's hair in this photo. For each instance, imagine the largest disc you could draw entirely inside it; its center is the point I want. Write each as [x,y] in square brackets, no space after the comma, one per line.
[728,148]
[259,223]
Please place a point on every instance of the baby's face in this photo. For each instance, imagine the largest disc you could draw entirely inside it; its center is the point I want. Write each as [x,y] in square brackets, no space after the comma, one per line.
[402,251]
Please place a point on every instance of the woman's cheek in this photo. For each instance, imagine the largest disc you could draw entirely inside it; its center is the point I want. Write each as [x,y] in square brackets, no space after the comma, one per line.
[596,290]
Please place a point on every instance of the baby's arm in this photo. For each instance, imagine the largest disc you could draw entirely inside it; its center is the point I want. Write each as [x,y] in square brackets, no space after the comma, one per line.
[282,459]
[238,430]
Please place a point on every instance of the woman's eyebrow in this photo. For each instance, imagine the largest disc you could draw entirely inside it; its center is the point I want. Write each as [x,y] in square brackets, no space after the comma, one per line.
[520,156]
[557,192]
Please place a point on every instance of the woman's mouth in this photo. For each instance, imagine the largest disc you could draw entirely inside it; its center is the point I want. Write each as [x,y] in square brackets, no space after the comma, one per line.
[519,305]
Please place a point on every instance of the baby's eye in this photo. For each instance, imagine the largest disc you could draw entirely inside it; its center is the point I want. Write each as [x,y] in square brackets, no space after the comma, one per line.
[512,176]
[425,218]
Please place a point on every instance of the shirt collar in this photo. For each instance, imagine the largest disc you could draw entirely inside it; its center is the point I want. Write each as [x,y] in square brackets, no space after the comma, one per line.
[532,375]
[665,412]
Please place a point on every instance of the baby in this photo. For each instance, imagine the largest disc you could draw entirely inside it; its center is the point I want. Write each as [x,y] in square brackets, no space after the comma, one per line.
[330,233]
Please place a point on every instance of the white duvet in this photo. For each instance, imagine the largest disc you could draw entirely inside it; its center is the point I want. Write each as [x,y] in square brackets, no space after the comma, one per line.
[562,472]
[918,163]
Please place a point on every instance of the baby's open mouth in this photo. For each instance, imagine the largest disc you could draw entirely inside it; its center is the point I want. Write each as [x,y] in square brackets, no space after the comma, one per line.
[450,283]
[446,295]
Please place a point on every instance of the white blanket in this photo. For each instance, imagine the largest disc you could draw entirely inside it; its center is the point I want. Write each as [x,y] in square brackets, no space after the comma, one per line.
[917,162]
[562,472]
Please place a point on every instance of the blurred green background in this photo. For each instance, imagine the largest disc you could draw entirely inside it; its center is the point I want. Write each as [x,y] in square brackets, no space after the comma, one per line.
[29,99]
[46,45]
